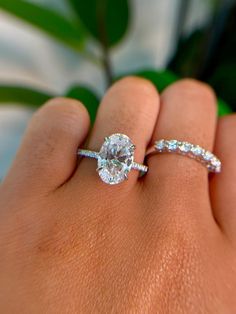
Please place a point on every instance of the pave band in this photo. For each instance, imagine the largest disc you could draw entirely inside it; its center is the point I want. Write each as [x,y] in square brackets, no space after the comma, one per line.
[212,163]
[115,159]
[92,154]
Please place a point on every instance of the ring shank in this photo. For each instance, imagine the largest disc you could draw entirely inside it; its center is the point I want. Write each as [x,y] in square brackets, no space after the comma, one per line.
[87,153]
[91,154]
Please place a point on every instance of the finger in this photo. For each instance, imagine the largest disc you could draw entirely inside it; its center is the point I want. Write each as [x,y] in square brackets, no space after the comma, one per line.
[223,186]
[47,156]
[187,113]
[130,107]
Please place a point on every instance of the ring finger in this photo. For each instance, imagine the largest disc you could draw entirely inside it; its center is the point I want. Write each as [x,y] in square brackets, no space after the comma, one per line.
[187,113]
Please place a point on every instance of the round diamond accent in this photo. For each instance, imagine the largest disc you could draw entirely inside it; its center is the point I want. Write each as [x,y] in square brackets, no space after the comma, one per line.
[185,147]
[215,162]
[196,152]
[172,145]
[208,156]
[160,145]
[115,158]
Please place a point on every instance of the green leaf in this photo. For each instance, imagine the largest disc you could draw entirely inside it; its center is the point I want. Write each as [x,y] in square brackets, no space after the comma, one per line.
[223,81]
[187,59]
[35,98]
[106,20]
[223,108]
[47,20]
[161,79]
[87,97]
[23,95]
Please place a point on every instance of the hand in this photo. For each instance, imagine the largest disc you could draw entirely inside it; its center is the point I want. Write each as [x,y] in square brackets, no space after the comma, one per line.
[164,243]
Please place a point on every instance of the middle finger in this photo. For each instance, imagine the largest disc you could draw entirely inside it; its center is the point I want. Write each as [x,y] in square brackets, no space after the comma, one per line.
[130,107]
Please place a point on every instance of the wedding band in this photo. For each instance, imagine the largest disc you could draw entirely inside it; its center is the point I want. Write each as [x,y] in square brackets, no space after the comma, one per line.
[115,159]
[212,163]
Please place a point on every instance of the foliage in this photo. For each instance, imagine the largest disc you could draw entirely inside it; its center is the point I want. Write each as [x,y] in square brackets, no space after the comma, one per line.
[23,95]
[223,108]
[208,54]
[87,97]
[50,22]
[35,98]
[106,20]
[161,79]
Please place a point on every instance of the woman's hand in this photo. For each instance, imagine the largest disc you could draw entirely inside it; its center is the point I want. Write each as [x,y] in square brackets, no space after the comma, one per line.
[164,243]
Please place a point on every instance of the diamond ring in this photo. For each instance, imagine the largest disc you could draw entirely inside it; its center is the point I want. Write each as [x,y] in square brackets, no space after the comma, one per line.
[208,159]
[115,159]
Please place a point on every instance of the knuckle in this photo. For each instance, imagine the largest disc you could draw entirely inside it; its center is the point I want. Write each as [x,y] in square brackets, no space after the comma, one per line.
[177,229]
[175,255]
[181,243]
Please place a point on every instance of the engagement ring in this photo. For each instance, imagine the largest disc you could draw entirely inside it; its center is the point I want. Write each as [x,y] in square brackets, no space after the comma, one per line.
[115,159]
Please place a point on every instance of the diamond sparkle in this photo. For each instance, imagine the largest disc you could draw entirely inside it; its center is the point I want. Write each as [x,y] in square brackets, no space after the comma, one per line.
[185,147]
[208,156]
[196,152]
[160,145]
[115,158]
[172,145]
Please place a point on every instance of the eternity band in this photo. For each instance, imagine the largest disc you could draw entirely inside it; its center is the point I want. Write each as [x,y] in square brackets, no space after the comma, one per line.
[212,163]
[115,159]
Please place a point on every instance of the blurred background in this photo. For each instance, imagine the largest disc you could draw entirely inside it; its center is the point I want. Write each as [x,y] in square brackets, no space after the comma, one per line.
[77,48]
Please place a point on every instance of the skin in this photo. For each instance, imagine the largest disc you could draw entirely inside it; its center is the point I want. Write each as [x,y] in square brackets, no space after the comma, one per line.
[165,243]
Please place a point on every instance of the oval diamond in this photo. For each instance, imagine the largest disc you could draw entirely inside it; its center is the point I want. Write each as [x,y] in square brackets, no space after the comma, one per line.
[115,158]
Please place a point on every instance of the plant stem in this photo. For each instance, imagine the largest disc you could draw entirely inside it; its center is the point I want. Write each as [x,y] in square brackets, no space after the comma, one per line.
[101,11]
[213,37]
[181,18]
[107,66]
[91,57]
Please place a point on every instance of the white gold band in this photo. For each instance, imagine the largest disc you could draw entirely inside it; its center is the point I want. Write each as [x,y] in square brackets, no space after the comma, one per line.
[92,154]
[212,163]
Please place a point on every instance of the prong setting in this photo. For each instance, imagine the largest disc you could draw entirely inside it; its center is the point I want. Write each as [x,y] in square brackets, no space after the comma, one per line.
[115,159]
[212,163]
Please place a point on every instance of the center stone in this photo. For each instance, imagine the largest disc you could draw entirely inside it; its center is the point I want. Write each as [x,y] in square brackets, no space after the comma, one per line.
[115,158]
